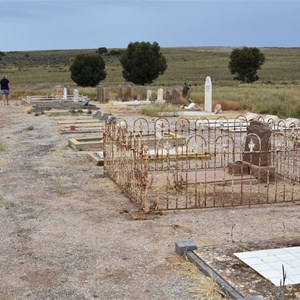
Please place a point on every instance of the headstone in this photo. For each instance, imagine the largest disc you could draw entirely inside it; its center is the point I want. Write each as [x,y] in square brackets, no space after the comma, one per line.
[159,130]
[208,95]
[75,95]
[100,93]
[65,95]
[257,144]
[218,108]
[120,93]
[168,97]
[149,95]
[257,153]
[160,94]
[175,96]
[58,91]
[185,91]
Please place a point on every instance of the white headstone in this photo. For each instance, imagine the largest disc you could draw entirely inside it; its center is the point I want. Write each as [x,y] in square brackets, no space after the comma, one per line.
[149,95]
[160,94]
[75,95]
[208,95]
[65,95]
[158,130]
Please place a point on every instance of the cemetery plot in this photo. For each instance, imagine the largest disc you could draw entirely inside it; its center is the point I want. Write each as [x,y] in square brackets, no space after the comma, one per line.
[213,168]
[149,139]
[248,281]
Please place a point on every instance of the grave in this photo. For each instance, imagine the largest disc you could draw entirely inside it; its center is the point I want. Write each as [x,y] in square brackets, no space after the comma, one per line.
[73,129]
[251,268]
[149,139]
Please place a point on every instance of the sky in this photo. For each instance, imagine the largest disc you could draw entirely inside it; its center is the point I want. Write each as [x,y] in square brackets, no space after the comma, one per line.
[89,24]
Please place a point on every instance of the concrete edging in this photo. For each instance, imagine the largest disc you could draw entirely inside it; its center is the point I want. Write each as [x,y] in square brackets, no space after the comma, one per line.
[186,248]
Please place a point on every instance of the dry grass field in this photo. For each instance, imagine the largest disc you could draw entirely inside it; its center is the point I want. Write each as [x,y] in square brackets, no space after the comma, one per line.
[277,91]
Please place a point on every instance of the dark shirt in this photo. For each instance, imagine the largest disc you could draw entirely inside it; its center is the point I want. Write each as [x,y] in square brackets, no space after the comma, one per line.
[4,84]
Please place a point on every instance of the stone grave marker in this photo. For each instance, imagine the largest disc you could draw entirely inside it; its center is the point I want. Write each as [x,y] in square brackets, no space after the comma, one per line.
[256,158]
[65,95]
[175,97]
[149,95]
[129,93]
[160,94]
[257,149]
[168,97]
[75,95]
[208,95]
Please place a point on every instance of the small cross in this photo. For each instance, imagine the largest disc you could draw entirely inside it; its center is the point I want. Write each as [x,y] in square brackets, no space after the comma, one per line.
[251,145]
[225,147]
[167,146]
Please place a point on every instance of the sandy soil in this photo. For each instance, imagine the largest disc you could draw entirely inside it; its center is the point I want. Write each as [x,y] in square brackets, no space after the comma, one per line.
[67,232]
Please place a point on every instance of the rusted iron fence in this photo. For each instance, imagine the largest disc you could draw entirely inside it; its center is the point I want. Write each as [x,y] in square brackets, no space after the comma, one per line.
[202,163]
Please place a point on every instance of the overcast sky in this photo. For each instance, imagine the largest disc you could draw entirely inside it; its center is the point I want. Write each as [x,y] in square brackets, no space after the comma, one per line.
[85,24]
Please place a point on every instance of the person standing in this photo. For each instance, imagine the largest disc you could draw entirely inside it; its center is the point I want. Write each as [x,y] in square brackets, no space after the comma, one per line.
[4,82]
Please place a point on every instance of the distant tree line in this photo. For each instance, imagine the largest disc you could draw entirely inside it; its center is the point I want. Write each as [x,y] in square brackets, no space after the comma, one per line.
[143,62]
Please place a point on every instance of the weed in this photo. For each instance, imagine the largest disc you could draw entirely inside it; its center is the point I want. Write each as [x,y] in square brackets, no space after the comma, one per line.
[59,186]
[154,110]
[9,205]
[31,127]
[3,146]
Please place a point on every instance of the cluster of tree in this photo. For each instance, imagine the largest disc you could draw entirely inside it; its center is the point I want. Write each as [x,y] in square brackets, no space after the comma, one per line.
[143,62]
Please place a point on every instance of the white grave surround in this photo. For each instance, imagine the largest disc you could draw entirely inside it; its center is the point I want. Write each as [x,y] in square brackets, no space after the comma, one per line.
[208,95]
[269,262]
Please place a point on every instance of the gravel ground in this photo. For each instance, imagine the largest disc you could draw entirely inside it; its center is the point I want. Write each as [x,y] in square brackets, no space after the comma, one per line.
[67,232]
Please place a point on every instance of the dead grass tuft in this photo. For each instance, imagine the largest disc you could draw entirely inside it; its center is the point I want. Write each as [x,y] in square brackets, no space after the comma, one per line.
[228,104]
[203,286]
[28,110]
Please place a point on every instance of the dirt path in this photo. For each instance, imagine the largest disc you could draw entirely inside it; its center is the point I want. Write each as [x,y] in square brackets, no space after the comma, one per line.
[66,231]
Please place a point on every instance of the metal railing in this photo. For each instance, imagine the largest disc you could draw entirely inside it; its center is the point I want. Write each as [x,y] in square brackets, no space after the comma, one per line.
[202,163]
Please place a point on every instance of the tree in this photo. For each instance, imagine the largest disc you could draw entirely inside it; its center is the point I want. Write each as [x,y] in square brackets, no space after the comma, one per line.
[245,62]
[101,50]
[88,69]
[142,62]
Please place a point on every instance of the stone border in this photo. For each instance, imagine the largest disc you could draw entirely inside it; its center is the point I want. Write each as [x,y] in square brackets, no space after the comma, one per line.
[186,248]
